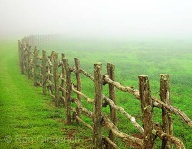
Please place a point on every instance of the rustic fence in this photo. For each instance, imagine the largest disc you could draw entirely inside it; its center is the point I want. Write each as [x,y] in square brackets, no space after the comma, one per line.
[54,76]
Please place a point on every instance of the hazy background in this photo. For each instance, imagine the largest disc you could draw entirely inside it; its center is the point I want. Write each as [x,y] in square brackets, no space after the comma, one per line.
[101,18]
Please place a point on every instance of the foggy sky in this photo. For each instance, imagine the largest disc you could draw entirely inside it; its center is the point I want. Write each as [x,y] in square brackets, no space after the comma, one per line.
[97,17]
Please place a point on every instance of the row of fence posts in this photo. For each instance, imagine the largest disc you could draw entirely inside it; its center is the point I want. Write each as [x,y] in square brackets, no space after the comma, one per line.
[27,63]
[38,39]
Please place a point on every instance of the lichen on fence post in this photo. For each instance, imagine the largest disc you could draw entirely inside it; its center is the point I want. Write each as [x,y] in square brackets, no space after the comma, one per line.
[97,111]
[68,91]
[112,96]
[78,78]
[56,79]
[147,111]
[43,72]
[166,116]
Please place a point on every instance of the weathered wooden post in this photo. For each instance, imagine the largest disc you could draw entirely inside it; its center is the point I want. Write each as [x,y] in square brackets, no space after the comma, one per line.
[147,111]
[22,58]
[97,111]
[28,53]
[112,96]
[35,59]
[63,84]
[56,79]
[68,91]
[25,57]
[78,78]
[43,72]
[51,70]
[166,116]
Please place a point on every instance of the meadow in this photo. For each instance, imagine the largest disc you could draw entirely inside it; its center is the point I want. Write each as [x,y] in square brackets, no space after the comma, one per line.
[131,58]
[26,114]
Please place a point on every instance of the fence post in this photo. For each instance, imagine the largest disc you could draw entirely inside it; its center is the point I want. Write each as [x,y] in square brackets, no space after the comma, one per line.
[78,78]
[43,72]
[35,59]
[28,48]
[166,116]
[56,79]
[112,96]
[22,58]
[68,91]
[25,57]
[147,111]
[51,70]
[63,83]
[97,111]
[20,54]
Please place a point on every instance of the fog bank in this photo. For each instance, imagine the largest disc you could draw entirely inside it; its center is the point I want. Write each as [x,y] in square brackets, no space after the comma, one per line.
[101,18]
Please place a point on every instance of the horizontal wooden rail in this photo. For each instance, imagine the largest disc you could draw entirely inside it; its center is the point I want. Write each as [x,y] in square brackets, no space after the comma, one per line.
[84,123]
[133,141]
[176,111]
[110,142]
[84,110]
[131,118]
[80,120]
[156,102]
[86,74]
[163,136]
[121,87]
[83,95]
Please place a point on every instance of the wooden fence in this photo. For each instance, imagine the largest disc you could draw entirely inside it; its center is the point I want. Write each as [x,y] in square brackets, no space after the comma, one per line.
[54,76]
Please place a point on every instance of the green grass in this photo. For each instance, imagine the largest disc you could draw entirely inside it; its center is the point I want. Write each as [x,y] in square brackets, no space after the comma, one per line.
[133,58]
[28,118]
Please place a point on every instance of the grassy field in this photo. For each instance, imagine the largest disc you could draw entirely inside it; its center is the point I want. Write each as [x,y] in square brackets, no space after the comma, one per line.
[29,120]
[133,58]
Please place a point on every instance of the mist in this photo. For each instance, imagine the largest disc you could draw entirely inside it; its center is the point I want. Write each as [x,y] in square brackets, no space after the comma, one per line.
[101,18]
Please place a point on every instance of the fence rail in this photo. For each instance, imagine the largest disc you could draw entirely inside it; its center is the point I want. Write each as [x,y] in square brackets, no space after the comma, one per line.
[55,76]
